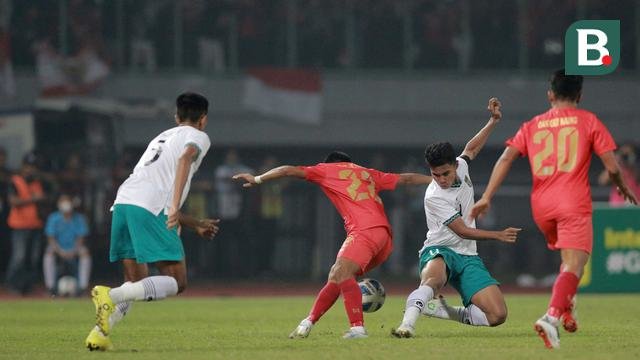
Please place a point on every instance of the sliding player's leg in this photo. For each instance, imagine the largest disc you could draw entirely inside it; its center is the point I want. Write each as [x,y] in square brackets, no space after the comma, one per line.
[433,277]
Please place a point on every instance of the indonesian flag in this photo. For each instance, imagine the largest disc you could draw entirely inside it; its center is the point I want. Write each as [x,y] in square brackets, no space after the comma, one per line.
[293,94]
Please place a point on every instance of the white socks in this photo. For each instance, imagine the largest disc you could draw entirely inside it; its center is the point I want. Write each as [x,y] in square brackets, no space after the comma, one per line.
[120,311]
[149,288]
[49,267]
[50,276]
[84,271]
[415,303]
[470,315]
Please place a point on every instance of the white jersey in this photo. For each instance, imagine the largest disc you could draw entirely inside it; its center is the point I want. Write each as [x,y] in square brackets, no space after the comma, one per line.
[442,206]
[150,186]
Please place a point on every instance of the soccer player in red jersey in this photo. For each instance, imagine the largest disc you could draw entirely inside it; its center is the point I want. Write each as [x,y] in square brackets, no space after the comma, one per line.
[353,190]
[559,144]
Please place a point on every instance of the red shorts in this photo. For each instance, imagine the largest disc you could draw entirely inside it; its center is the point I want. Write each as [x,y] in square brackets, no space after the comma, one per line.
[568,232]
[367,248]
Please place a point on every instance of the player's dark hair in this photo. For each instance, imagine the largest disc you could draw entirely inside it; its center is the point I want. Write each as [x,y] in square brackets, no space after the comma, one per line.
[565,86]
[337,156]
[440,154]
[191,107]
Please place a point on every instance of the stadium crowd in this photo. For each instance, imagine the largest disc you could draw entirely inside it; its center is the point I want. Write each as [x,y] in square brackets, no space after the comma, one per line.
[220,35]
[267,226]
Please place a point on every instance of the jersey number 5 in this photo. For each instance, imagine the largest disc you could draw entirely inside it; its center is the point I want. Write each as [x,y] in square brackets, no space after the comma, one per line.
[566,150]
[356,181]
[158,150]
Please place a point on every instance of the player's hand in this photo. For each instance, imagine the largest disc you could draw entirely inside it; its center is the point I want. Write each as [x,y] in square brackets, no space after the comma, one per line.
[509,235]
[628,195]
[173,218]
[480,208]
[249,179]
[494,108]
[207,228]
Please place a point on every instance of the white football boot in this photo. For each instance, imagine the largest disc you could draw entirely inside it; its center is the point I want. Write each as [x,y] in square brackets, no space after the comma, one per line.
[547,329]
[302,330]
[356,332]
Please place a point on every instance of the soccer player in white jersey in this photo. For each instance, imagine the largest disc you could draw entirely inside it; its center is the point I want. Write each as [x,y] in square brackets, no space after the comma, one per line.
[146,219]
[449,254]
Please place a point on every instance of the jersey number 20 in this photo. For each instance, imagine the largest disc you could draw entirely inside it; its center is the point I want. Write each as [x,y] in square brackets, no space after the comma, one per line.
[566,150]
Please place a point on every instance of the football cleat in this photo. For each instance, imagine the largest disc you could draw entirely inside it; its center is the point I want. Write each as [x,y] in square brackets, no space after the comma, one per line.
[548,332]
[104,307]
[437,308]
[356,332]
[404,331]
[98,341]
[570,317]
[302,330]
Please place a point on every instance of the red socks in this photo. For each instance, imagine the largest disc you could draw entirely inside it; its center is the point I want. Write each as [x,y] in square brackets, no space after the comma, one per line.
[352,301]
[324,301]
[328,296]
[564,289]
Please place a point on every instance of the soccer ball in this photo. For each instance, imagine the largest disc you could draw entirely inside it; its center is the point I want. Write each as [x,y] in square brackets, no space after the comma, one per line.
[373,295]
[67,286]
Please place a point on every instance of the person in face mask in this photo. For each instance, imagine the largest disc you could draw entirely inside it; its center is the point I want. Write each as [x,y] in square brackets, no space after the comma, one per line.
[66,232]
[25,195]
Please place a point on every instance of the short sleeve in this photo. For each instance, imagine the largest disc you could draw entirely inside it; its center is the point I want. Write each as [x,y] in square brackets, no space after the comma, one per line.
[50,226]
[83,229]
[601,138]
[313,173]
[200,140]
[519,140]
[384,181]
[441,210]
[463,165]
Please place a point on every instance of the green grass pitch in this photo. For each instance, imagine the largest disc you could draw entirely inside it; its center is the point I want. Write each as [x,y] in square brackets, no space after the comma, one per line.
[257,328]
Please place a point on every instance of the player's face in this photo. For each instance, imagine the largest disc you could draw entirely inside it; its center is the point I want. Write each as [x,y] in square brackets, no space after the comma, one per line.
[444,175]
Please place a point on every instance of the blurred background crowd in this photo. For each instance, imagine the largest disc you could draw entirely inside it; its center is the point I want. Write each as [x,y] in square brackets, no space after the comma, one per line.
[90,82]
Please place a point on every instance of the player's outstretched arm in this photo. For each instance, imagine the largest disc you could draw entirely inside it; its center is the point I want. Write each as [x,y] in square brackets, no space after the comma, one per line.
[477,142]
[611,165]
[275,173]
[414,179]
[205,228]
[189,154]
[500,171]
[461,229]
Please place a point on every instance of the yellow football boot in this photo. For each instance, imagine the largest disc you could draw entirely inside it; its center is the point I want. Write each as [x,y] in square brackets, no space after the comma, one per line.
[98,341]
[104,307]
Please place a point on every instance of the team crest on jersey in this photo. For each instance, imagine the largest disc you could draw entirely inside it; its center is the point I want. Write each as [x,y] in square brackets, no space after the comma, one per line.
[468,180]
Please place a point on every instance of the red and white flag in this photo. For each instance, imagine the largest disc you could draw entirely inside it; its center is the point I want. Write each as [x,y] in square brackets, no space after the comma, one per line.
[293,94]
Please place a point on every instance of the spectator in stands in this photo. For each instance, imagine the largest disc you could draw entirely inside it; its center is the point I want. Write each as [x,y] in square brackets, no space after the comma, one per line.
[73,180]
[7,83]
[230,206]
[271,210]
[25,196]
[626,157]
[66,232]
[5,178]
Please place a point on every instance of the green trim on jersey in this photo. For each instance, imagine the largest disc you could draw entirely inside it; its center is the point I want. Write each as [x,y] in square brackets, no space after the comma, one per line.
[451,219]
[197,147]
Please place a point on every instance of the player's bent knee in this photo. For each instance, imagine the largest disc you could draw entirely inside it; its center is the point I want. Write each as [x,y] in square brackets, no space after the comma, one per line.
[497,317]
[339,273]
[182,284]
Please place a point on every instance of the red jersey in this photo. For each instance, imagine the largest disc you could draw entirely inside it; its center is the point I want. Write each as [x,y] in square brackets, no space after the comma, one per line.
[559,144]
[353,190]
